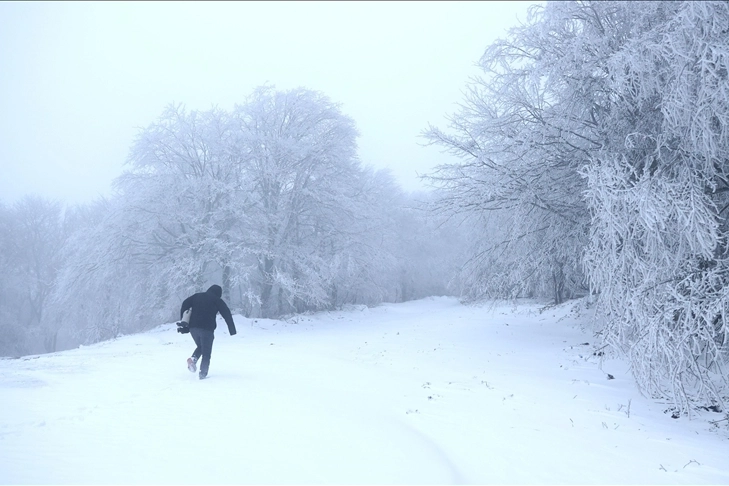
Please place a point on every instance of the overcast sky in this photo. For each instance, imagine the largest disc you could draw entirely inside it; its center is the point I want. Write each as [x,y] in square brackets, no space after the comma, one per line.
[79,79]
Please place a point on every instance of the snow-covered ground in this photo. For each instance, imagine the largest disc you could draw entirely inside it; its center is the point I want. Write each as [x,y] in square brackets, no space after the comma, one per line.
[423,392]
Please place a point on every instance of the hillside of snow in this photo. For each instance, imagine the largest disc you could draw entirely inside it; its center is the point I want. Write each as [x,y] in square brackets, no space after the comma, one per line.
[416,393]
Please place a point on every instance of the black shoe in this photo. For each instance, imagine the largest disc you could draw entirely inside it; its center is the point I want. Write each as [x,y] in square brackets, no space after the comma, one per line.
[203,375]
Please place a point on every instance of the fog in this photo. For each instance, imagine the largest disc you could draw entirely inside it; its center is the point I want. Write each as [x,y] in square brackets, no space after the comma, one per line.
[80,79]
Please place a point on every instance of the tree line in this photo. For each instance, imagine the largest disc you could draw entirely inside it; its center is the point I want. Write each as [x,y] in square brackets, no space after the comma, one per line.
[595,156]
[268,199]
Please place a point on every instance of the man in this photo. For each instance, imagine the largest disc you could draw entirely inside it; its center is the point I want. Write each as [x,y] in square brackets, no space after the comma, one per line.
[205,307]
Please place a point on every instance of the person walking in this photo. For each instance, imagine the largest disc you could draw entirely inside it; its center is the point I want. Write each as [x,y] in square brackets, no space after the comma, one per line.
[205,307]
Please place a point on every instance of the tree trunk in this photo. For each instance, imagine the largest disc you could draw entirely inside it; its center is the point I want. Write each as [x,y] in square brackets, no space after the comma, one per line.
[50,342]
[226,283]
[558,283]
[267,287]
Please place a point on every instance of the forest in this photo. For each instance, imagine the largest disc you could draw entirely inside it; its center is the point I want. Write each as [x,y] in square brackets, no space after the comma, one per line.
[592,162]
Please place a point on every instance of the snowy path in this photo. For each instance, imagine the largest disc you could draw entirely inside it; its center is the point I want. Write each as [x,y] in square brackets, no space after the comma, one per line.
[423,392]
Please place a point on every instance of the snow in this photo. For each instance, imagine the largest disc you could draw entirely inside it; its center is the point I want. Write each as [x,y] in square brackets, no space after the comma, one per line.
[423,392]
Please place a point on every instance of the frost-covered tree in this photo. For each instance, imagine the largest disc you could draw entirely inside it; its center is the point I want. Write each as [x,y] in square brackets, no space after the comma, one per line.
[364,264]
[171,220]
[526,127]
[600,129]
[10,288]
[658,252]
[31,236]
[182,198]
[93,299]
[298,157]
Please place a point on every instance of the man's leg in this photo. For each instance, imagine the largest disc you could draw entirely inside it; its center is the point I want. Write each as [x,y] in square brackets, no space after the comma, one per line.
[192,361]
[206,347]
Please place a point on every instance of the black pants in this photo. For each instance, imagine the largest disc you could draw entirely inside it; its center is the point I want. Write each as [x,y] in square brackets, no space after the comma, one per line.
[204,341]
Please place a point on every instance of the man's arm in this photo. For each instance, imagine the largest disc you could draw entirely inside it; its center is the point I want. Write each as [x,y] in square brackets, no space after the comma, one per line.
[186,304]
[225,312]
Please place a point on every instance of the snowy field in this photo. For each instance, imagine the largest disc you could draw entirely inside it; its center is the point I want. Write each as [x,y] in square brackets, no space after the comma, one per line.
[416,393]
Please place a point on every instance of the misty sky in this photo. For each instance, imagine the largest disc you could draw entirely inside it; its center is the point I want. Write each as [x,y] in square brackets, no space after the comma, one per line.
[78,79]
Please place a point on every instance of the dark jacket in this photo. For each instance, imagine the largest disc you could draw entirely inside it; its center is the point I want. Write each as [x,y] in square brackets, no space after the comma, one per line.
[205,306]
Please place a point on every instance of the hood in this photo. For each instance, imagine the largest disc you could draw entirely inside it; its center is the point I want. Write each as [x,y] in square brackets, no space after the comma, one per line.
[216,290]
